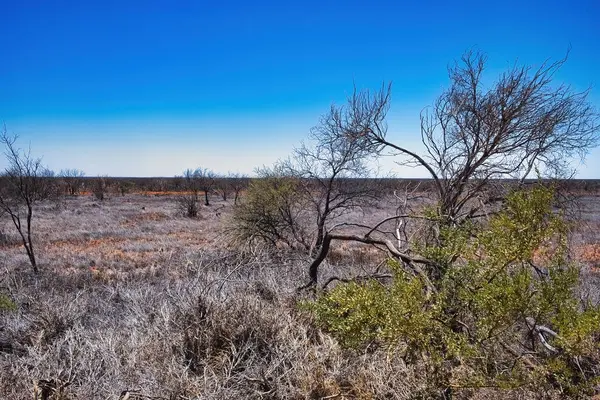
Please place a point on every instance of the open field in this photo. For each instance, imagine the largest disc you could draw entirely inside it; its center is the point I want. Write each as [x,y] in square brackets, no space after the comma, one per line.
[135,299]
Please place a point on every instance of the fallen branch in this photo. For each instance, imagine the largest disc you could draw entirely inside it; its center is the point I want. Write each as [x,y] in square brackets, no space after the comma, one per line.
[410,261]
[356,279]
[541,330]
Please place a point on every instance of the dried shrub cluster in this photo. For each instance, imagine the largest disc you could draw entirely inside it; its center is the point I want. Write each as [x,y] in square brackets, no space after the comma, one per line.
[228,327]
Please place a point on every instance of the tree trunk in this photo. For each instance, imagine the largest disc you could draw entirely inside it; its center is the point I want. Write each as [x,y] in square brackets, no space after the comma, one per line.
[32,260]
[318,241]
[29,248]
[313,271]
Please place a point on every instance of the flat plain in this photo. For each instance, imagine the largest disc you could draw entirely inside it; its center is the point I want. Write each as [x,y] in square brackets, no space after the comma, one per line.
[135,299]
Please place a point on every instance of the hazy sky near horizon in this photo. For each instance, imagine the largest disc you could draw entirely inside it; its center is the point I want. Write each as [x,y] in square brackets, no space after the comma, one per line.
[150,88]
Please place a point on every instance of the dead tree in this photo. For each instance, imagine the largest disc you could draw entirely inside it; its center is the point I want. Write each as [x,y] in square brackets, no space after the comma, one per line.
[474,134]
[100,186]
[222,186]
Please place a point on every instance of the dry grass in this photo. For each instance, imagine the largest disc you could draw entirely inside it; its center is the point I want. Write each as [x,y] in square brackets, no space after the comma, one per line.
[136,299]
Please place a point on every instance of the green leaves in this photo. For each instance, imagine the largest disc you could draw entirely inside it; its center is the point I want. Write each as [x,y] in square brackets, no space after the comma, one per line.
[272,212]
[6,304]
[495,275]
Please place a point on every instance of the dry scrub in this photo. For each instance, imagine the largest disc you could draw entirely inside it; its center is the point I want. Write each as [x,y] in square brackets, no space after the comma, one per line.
[134,299]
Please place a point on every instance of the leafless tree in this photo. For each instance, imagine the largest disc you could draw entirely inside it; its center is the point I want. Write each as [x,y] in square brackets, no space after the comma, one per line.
[100,187]
[329,167]
[204,179]
[194,182]
[222,186]
[238,184]
[188,201]
[25,182]
[474,135]
[73,179]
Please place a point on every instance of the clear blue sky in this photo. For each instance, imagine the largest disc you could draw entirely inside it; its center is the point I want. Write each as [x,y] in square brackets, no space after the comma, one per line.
[149,88]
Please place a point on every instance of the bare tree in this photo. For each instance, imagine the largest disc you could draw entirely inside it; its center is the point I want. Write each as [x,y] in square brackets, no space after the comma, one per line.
[194,182]
[73,179]
[474,134]
[222,186]
[188,201]
[238,184]
[25,182]
[100,187]
[330,167]
[204,178]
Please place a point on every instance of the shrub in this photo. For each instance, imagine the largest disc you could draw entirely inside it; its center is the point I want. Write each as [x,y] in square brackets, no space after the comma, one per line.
[6,304]
[500,316]
[272,213]
[188,204]
[100,188]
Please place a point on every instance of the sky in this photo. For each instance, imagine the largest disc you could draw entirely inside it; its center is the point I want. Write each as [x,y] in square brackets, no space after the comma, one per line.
[151,88]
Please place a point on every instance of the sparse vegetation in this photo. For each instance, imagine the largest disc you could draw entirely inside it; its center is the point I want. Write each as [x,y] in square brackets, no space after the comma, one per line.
[462,286]
[127,289]
[73,180]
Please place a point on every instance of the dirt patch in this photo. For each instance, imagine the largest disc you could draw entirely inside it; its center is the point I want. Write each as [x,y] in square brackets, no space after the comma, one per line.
[144,217]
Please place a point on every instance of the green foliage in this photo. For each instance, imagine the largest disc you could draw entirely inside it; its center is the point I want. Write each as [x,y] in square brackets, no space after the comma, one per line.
[6,304]
[369,311]
[473,330]
[271,212]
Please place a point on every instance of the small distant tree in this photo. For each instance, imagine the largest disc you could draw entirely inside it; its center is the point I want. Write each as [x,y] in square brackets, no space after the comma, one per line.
[25,183]
[178,183]
[125,186]
[238,184]
[159,185]
[73,180]
[100,187]
[202,179]
[223,186]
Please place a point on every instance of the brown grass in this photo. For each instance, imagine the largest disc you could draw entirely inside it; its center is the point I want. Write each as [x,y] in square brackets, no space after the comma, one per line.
[135,298]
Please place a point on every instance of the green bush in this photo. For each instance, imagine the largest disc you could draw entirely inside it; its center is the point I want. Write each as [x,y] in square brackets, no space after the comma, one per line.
[271,213]
[6,304]
[475,329]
